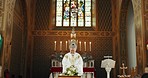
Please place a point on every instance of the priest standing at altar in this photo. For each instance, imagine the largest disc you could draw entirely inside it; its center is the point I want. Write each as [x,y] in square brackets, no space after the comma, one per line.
[73,58]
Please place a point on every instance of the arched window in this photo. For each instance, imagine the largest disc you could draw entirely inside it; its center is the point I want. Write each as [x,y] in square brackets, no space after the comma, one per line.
[73,13]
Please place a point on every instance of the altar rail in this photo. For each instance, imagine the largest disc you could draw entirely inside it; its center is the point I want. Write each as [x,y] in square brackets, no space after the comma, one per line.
[88,72]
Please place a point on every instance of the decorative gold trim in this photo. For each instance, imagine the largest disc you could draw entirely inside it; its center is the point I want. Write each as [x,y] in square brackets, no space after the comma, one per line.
[79,33]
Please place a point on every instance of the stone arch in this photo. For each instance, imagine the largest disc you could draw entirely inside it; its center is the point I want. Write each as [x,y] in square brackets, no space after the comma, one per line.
[123,33]
[7,32]
[8,18]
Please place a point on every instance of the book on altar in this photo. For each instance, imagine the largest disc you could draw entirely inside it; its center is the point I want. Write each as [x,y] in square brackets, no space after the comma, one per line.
[108,63]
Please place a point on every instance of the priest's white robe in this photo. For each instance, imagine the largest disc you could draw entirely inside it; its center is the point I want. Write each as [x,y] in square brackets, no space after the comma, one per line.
[73,59]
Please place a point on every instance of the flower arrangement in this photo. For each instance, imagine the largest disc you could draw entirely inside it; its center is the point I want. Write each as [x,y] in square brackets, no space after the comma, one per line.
[86,57]
[71,71]
[57,56]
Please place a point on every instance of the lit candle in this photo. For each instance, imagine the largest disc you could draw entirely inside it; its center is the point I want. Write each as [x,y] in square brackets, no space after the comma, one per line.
[74,35]
[80,45]
[147,46]
[71,35]
[66,45]
[55,45]
[90,46]
[84,46]
[60,45]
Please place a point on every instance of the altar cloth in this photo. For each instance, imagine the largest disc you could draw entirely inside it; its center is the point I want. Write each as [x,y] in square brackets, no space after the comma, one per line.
[85,70]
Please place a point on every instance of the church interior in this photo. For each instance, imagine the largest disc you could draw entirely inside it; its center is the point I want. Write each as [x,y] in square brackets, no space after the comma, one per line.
[35,33]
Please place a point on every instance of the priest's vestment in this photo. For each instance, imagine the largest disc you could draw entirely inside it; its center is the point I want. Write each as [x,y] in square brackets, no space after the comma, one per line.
[73,59]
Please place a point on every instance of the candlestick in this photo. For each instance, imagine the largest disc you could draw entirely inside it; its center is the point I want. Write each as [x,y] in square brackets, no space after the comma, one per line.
[60,45]
[66,45]
[90,46]
[80,45]
[55,45]
[84,46]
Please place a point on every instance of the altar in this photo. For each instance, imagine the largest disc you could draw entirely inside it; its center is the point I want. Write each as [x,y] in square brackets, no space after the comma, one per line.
[88,72]
[88,69]
[86,63]
[56,66]
[69,77]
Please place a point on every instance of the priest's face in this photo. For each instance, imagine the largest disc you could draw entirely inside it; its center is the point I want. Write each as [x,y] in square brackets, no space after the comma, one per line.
[72,50]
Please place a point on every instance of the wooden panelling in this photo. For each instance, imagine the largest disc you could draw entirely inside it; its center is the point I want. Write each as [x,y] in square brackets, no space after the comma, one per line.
[1,14]
[104,11]
[43,48]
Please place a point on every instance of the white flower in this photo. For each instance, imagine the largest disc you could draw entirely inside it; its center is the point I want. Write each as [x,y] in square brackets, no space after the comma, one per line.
[71,71]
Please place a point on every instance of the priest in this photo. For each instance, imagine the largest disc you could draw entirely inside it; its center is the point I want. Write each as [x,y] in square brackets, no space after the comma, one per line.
[73,59]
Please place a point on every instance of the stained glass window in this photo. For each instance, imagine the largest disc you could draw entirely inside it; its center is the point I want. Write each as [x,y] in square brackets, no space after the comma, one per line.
[73,13]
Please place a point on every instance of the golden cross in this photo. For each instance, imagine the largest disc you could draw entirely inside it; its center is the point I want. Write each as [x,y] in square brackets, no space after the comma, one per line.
[123,68]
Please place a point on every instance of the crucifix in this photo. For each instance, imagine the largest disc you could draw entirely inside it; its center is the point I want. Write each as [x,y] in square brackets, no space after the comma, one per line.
[123,68]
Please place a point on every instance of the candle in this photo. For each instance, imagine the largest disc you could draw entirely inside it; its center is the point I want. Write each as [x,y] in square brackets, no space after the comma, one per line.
[60,45]
[84,46]
[80,45]
[90,46]
[66,45]
[147,46]
[71,35]
[74,35]
[55,45]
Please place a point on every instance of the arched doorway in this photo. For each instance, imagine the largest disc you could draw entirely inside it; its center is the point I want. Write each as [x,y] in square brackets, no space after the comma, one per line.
[126,18]
[131,38]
